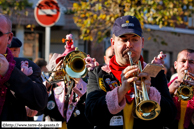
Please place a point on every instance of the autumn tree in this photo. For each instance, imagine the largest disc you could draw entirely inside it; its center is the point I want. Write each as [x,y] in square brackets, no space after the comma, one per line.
[13,7]
[96,17]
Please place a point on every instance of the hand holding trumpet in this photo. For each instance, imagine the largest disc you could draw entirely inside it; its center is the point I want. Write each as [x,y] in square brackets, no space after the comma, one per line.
[174,86]
[129,76]
[183,88]
[132,76]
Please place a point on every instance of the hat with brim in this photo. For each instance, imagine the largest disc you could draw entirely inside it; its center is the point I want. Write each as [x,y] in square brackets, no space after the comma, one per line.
[124,31]
[15,43]
[127,25]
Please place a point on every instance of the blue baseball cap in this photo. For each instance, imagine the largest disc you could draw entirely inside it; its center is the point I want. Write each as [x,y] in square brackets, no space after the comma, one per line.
[127,25]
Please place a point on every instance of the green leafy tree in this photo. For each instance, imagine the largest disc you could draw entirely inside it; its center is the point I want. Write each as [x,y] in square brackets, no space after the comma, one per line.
[96,17]
[13,7]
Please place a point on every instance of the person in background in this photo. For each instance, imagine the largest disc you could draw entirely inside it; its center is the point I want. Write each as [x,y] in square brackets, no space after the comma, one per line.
[166,72]
[173,73]
[109,53]
[15,50]
[110,95]
[185,108]
[42,64]
[15,46]
[172,70]
[17,89]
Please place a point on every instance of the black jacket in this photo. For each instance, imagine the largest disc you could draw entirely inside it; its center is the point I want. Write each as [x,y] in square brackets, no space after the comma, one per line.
[98,114]
[26,91]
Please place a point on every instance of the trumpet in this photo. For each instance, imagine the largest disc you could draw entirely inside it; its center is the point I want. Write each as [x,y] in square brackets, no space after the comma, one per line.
[145,109]
[185,91]
[72,66]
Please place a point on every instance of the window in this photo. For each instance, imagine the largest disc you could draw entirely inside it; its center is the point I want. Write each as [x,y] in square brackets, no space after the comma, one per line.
[145,55]
[168,59]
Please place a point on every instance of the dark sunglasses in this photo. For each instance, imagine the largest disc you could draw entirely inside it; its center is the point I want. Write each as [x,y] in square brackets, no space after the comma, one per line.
[1,33]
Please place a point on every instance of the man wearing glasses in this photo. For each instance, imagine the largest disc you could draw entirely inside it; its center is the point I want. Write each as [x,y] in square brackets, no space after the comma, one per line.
[17,89]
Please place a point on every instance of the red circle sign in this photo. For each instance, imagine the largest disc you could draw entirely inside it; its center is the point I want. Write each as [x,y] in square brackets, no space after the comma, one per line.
[47,12]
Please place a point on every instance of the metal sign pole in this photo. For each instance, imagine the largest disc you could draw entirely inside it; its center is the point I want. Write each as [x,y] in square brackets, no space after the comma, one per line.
[47,43]
[47,13]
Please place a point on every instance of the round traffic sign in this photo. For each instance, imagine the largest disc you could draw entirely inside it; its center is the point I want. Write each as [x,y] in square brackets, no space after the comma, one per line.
[47,12]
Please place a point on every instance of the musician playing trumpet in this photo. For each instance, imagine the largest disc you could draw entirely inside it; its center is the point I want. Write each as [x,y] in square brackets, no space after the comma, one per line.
[184,66]
[66,98]
[110,97]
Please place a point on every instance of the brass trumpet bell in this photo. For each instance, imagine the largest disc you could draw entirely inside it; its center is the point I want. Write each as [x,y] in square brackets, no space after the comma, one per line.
[148,110]
[185,92]
[145,109]
[74,64]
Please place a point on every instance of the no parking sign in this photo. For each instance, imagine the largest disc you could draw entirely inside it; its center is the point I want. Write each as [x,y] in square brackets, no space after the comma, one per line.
[47,12]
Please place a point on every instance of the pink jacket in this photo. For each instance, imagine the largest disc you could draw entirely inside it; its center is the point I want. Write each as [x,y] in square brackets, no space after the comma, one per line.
[79,89]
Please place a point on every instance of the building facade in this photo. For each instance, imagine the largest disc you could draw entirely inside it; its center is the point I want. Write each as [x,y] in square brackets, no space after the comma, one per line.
[32,36]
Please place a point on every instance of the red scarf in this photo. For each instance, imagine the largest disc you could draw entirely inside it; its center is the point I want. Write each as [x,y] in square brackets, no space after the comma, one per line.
[189,110]
[116,69]
[3,79]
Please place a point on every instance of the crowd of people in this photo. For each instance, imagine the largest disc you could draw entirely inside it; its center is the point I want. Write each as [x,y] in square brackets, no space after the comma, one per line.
[123,93]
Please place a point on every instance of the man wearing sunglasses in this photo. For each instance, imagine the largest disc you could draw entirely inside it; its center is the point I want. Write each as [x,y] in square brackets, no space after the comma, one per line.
[17,89]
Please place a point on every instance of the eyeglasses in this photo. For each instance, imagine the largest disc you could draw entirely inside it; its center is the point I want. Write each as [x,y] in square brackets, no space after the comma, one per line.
[1,33]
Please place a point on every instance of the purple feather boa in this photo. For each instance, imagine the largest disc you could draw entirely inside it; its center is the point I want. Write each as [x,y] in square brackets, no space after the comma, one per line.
[3,79]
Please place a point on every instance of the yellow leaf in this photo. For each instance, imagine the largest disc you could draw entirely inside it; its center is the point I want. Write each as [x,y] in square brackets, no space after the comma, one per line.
[91,38]
[148,29]
[28,26]
[108,18]
[94,16]
[160,25]
[100,6]
[170,5]
[103,16]
[99,33]
[112,19]
[83,15]
[165,23]
[75,5]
